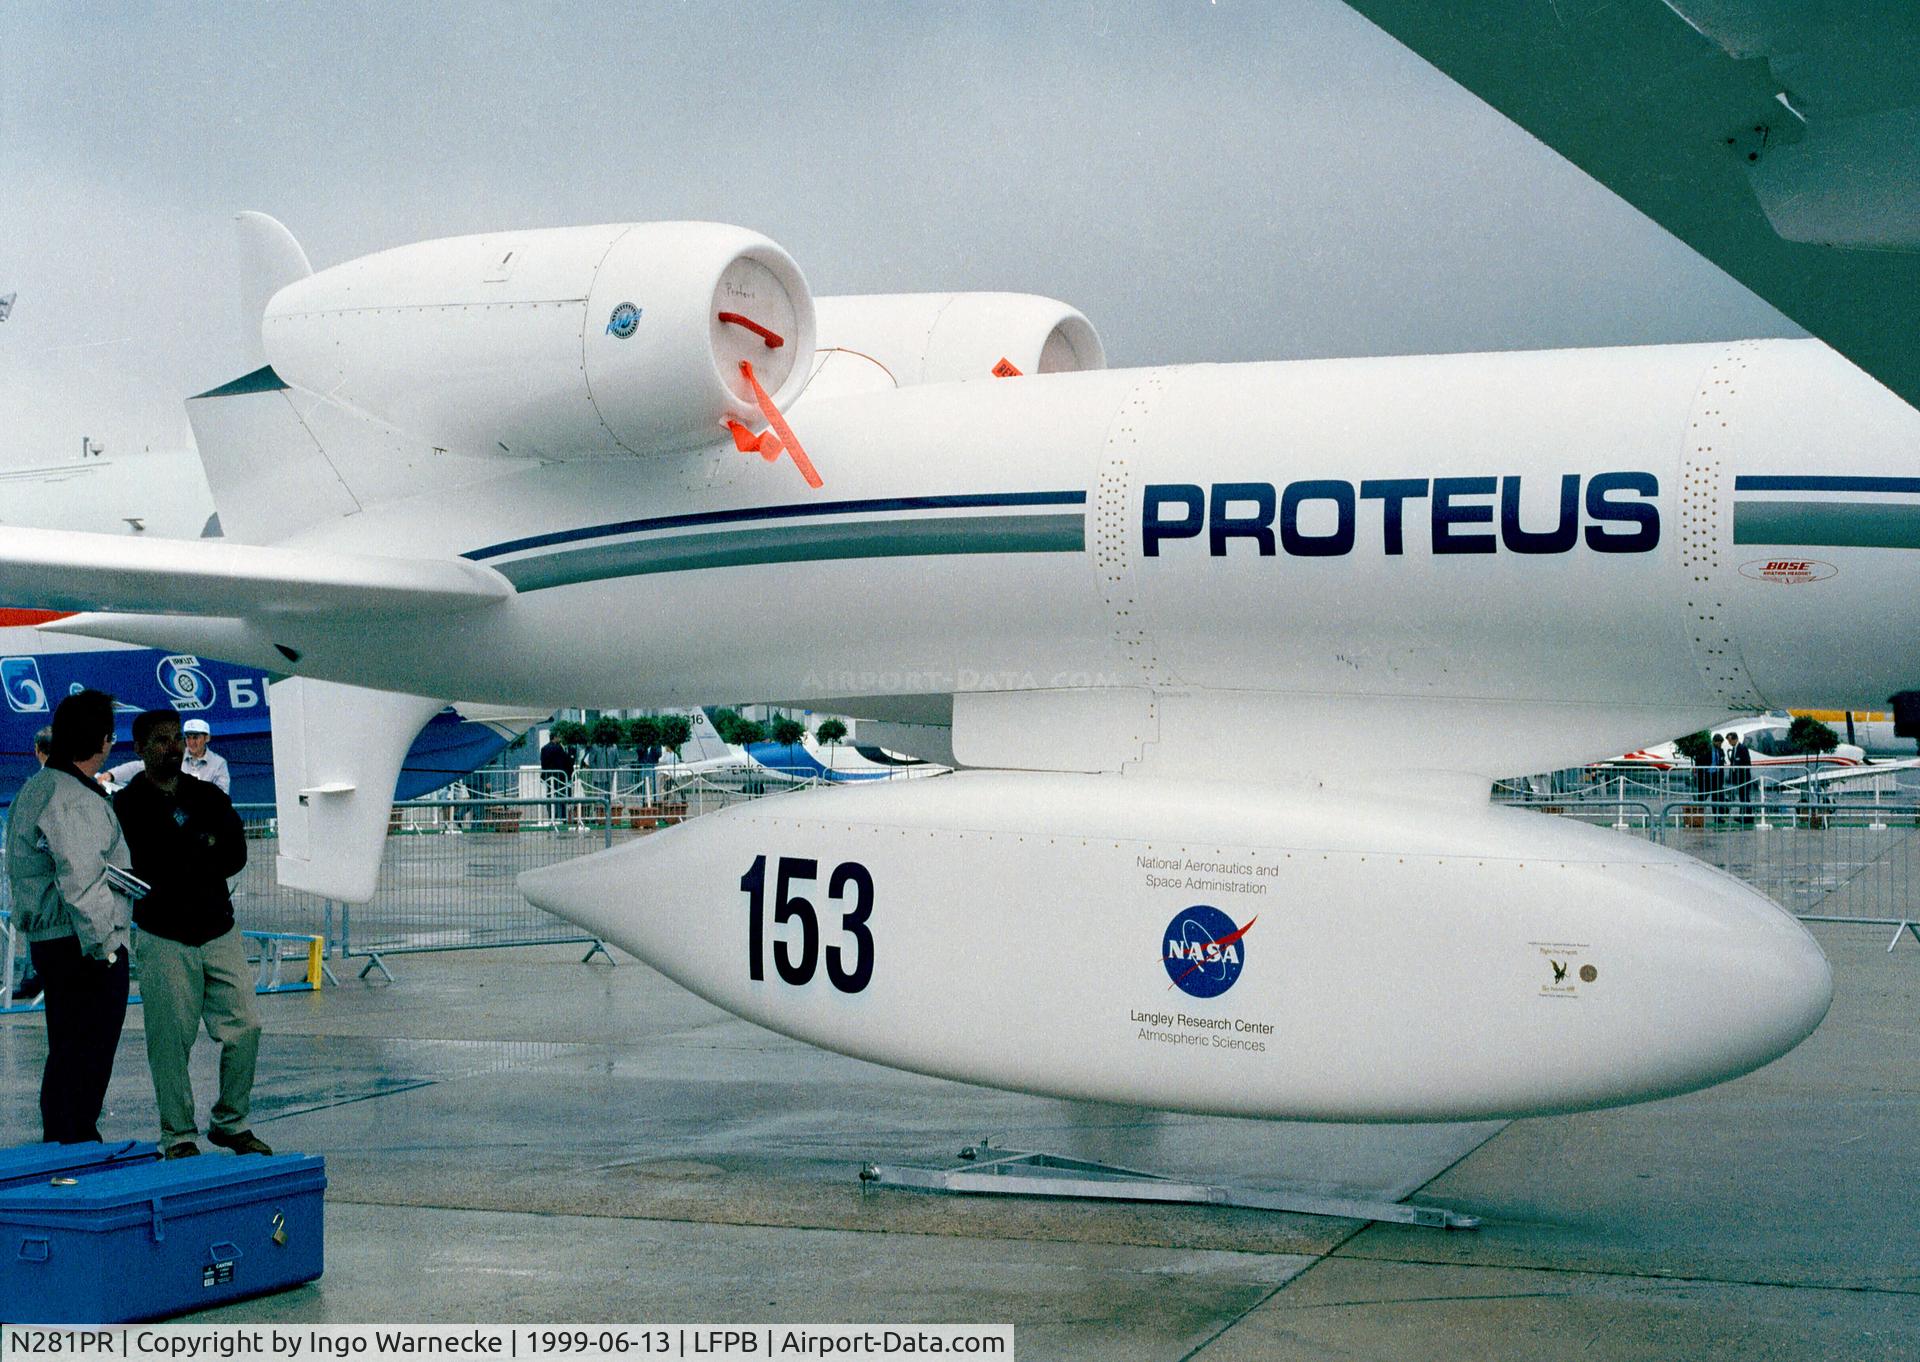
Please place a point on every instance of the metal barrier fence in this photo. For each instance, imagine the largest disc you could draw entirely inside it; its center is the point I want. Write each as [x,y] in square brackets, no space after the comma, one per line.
[449,869]
[638,783]
[1841,863]
[1822,860]
[1622,815]
[1772,785]
[268,953]
[447,876]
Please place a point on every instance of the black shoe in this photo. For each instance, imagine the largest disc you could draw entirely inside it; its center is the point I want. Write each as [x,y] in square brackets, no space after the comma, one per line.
[240,1142]
[186,1149]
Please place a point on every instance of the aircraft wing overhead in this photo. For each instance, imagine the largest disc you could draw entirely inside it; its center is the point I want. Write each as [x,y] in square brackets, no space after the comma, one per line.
[68,570]
[1781,141]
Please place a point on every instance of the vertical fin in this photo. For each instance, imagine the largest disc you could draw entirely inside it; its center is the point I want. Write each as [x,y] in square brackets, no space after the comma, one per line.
[278,459]
[270,259]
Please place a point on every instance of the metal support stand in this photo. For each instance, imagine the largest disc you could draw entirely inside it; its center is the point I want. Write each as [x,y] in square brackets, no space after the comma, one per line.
[599,948]
[1902,929]
[374,962]
[330,945]
[1014,1173]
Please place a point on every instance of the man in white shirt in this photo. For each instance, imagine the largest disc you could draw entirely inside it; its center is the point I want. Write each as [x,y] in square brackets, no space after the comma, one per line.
[199,762]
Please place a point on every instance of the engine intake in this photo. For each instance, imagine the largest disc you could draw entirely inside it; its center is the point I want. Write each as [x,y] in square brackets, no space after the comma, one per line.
[883,340]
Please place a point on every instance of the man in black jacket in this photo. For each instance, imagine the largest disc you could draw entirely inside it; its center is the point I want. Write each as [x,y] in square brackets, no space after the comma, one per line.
[556,773]
[186,841]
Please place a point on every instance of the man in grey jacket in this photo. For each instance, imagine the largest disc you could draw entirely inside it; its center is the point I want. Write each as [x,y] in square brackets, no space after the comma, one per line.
[61,837]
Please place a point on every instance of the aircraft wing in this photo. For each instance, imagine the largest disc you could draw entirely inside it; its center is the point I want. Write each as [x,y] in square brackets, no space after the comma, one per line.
[1781,141]
[69,570]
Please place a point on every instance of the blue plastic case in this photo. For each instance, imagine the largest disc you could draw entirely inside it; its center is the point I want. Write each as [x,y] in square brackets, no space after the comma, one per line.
[38,1163]
[159,1238]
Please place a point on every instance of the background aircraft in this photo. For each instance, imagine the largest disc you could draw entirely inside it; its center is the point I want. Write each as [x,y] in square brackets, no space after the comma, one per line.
[161,493]
[811,760]
[1766,739]
[1872,730]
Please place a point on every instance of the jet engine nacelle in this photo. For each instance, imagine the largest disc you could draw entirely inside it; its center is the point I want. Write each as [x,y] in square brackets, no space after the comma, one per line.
[558,343]
[883,340]
[1229,950]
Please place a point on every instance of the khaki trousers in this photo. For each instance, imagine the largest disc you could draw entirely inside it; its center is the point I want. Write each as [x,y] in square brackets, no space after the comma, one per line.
[180,987]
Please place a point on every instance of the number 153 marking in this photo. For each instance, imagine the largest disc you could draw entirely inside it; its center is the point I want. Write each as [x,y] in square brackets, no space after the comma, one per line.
[851,971]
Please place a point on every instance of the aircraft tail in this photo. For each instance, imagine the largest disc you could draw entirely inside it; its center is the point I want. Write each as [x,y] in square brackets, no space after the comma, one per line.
[705,744]
[279,459]
[270,259]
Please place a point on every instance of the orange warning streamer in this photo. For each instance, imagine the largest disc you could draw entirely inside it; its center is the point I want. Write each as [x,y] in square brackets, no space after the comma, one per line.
[766,444]
[774,342]
[786,438]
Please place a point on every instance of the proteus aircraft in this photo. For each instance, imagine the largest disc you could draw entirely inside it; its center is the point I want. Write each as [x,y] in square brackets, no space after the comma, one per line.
[480,466]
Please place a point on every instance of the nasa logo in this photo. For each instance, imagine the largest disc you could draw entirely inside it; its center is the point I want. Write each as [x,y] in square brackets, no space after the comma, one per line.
[624,321]
[1204,951]
[1788,571]
[20,678]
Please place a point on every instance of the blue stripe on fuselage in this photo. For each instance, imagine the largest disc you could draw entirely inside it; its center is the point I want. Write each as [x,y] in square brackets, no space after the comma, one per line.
[1820,483]
[791,511]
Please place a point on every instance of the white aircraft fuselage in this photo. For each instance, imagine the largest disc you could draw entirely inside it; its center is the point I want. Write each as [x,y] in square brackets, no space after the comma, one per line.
[1567,529]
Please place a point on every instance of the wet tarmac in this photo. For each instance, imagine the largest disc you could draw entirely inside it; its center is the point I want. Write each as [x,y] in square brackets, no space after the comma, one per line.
[515,1136]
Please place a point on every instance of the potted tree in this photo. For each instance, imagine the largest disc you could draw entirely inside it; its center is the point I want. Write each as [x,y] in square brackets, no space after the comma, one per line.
[1810,738]
[643,734]
[832,733]
[676,731]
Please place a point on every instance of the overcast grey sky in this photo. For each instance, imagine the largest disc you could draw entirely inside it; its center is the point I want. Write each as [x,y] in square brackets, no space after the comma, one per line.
[1206,181]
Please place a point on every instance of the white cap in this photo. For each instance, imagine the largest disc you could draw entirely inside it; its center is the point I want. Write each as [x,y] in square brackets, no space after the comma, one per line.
[196,726]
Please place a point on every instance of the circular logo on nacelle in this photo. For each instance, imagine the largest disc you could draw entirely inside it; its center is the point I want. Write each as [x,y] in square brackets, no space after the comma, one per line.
[624,321]
[1203,951]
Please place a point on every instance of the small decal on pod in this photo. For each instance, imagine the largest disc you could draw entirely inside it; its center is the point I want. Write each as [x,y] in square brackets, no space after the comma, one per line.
[1788,571]
[1558,969]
